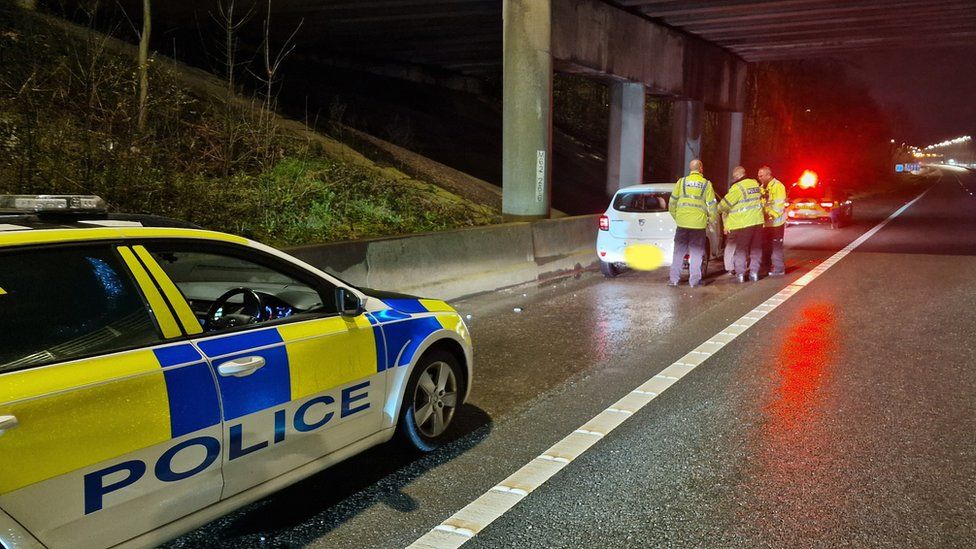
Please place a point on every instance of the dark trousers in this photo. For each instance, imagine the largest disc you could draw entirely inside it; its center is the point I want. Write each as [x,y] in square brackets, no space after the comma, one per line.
[773,257]
[748,249]
[692,243]
[730,252]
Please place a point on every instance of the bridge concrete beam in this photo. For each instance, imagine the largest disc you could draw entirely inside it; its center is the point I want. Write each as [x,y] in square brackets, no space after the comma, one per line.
[604,39]
[729,135]
[686,135]
[625,143]
[527,108]
[635,55]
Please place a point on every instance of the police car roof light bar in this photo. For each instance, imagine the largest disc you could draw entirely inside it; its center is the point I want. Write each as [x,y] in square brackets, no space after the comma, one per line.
[51,203]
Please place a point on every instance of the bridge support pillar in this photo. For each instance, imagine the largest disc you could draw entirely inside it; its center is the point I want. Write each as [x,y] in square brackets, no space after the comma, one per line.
[686,133]
[625,143]
[527,108]
[729,149]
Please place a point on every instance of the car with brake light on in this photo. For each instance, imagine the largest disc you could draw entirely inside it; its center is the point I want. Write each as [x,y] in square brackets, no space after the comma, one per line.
[155,376]
[638,214]
[811,200]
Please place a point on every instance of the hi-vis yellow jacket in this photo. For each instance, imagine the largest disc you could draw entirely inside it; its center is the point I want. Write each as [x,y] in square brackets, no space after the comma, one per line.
[743,205]
[692,203]
[774,202]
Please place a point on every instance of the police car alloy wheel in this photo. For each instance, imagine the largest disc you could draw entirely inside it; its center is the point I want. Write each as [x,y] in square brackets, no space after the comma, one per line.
[431,398]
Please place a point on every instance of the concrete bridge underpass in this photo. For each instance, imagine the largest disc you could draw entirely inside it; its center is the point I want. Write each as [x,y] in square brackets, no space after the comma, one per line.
[694,54]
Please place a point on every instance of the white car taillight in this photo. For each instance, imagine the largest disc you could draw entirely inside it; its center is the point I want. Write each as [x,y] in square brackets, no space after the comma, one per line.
[604,223]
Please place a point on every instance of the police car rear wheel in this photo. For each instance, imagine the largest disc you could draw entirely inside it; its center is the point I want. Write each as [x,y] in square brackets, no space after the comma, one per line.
[433,395]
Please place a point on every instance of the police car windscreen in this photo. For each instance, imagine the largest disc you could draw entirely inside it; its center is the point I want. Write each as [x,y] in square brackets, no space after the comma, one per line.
[642,202]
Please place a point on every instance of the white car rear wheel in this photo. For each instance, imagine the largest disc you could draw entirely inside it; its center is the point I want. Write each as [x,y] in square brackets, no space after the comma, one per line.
[609,270]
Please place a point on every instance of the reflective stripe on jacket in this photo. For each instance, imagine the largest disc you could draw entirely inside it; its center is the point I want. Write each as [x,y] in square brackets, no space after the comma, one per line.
[693,202]
[774,199]
[743,205]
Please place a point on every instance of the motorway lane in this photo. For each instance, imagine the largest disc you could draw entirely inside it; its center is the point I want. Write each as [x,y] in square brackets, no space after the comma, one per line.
[577,345]
[847,417]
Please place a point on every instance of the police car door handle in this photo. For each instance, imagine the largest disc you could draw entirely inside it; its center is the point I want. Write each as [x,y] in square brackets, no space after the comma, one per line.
[240,367]
[7,423]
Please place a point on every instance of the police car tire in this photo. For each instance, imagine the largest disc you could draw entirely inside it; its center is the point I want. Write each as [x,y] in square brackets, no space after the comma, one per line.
[408,431]
[609,270]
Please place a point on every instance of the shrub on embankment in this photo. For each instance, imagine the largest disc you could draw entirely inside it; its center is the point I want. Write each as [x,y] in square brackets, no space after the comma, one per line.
[68,107]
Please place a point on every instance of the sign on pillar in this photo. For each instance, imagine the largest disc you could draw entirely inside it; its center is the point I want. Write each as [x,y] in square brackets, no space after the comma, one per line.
[540,176]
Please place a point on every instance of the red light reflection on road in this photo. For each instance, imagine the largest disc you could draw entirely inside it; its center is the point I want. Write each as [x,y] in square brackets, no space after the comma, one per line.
[803,361]
[794,485]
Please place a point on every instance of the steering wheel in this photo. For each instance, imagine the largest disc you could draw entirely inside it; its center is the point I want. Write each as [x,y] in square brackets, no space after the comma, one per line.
[251,312]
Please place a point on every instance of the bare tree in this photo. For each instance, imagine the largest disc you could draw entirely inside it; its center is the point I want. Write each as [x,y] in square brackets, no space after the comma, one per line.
[229,24]
[272,64]
[144,63]
[90,67]
[273,60]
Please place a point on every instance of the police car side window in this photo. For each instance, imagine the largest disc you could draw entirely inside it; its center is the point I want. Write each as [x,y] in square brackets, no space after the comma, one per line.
[60,304]
[205,274]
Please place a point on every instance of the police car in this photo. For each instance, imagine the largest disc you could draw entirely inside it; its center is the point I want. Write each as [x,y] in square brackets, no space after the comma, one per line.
[811,200]
[154,376]
[638,214]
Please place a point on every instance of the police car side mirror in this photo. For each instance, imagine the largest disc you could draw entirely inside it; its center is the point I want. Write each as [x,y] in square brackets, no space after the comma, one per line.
[348,303]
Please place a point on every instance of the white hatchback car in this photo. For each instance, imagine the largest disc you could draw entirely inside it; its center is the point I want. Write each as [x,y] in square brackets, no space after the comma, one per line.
[639,215]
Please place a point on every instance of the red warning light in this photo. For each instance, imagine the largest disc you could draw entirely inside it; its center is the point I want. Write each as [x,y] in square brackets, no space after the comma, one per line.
[808,179]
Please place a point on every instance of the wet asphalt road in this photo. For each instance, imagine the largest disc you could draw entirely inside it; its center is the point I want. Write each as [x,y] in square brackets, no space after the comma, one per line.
[846,417]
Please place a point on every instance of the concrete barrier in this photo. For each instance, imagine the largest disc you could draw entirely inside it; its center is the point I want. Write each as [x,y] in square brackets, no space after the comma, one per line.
[453,264]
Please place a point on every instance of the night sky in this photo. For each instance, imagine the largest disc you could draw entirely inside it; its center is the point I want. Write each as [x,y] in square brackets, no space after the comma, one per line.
[930,93]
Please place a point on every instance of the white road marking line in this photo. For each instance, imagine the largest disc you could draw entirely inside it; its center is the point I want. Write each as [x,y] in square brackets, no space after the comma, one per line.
[481,512]
[510,490]
[463,531]
[548,458]
[618,411]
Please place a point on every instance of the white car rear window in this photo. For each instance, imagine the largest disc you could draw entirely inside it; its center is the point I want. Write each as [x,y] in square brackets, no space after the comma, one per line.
[643,202]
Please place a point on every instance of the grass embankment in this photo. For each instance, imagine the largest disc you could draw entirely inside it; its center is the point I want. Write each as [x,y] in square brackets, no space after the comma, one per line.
[68,110]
